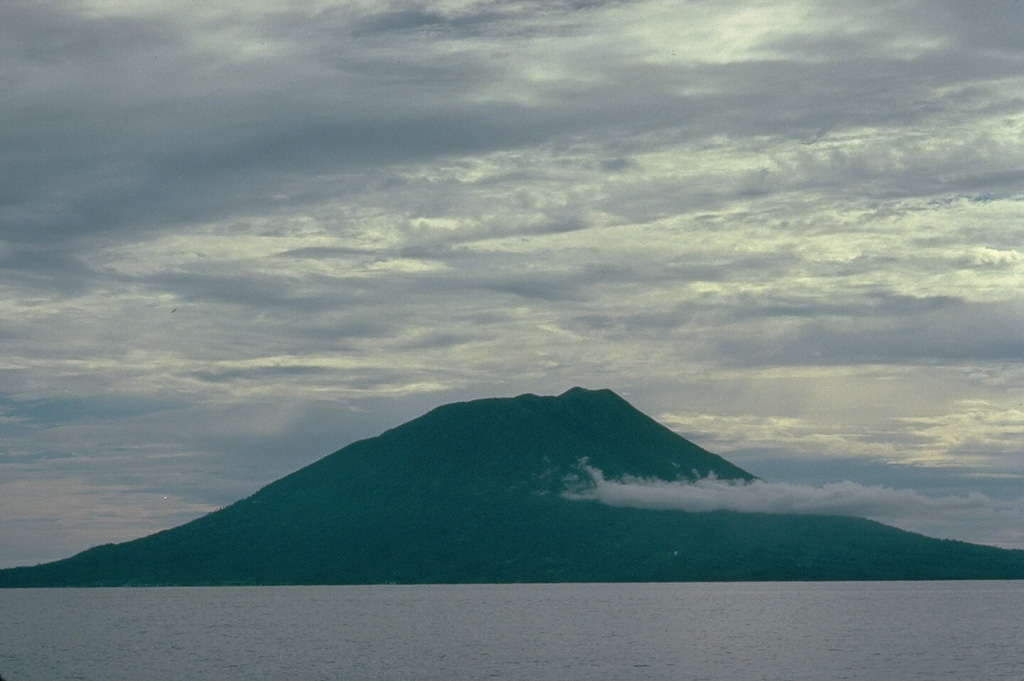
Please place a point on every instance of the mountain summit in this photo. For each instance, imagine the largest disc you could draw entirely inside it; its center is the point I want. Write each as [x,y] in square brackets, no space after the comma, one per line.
[476,492]
[533,438]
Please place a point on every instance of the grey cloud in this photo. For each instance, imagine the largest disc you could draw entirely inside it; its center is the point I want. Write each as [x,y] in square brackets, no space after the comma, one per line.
[52,33]
[960,331]
[849,343]
[635,324]
[572,282]
[535,289]
[418,19]
[617,165]
[856,328]
[262,373]
[496,19]
[220,150]
[815,469]
[749,309]
[871,304]
[437,339]
[399,20]
[39,266]
[866,27]
[17,459]
[324,252]
[26,415]
[990,27]
[253,291]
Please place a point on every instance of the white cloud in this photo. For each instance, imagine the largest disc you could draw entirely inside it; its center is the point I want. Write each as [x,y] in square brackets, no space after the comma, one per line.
[994,256]
[902,507]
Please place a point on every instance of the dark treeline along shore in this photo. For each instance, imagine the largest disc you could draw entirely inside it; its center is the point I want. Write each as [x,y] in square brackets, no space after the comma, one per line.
[473,492]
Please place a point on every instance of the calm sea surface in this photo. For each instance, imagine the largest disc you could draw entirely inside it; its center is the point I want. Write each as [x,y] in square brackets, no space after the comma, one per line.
[895,631]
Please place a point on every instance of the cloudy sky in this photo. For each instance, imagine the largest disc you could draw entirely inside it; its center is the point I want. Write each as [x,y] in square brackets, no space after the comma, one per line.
[236,236]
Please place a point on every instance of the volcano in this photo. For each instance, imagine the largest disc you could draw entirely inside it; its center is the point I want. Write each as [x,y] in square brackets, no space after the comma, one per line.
[493,491]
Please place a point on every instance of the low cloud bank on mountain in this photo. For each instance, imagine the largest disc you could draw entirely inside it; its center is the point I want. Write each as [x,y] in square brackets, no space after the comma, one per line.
[840,498]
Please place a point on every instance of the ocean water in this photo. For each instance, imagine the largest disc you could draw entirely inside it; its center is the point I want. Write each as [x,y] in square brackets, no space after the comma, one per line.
[877,631]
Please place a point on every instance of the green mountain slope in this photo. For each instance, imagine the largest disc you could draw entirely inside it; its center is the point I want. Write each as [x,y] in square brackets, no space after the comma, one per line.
[471,492]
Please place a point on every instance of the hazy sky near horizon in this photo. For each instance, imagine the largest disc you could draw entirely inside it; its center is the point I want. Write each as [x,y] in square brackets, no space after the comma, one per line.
[236,236]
